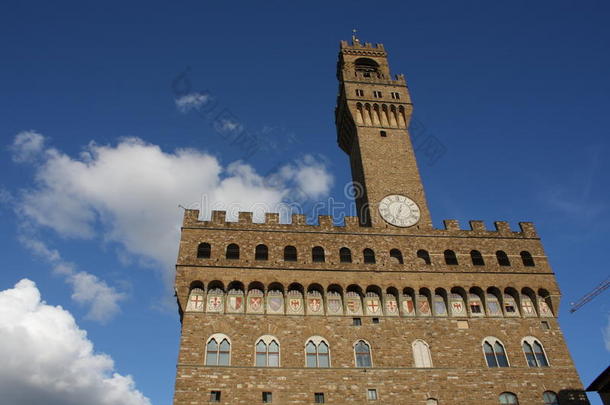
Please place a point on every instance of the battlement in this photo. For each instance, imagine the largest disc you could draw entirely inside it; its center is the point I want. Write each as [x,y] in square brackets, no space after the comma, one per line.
[357,48]
[451,227]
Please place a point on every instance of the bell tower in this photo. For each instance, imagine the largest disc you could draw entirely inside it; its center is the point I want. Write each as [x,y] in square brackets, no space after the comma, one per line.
[372,117]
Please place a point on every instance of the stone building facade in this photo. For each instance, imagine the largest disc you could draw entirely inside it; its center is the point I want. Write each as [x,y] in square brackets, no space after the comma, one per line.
[382,309]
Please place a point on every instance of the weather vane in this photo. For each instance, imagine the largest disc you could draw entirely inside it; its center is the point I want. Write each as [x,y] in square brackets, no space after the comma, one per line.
[354,39]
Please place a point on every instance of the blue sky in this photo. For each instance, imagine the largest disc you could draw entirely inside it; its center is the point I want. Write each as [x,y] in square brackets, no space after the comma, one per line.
[516,93]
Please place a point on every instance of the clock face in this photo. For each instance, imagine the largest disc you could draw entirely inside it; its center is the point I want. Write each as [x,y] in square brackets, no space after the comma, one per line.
[399,210]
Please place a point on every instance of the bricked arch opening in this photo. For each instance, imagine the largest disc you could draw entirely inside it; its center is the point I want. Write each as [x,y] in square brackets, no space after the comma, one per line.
[216,285]
[296,287]
[450,257]
[368,256]
[235,285]
[275,287]
[397,256]
[345,255]
[204,251]
[527,259]
[261,252]
[512,299]
[354,288]
[290,254]
[424,255]
[232,251]
[256,285]
[317,254]
[502,257]
[477,258]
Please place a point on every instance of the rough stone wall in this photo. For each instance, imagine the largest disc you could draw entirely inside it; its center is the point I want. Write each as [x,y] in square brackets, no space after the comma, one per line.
[459,373]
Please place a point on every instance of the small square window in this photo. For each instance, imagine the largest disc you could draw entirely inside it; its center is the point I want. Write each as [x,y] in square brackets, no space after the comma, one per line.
[214,396]
[372,394]
[267,397]
[509,308]
[375,320]
[545,325]
[383,133]
[318,397]
[356,321]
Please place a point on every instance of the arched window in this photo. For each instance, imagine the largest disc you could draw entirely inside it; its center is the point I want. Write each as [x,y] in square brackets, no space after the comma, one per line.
[495,355]
[317,254]
[261,253]
[345,255]
[421,354]
[233,251]
[502,258]
[396,254]
[290,254]
[534,353]
[477,258]
[267,352]
[362,351]
[424,255]
[508,398]
[527,259]
[204,250]
[369,256]
[317,353]
[550,398]
[450,258]
[218,351]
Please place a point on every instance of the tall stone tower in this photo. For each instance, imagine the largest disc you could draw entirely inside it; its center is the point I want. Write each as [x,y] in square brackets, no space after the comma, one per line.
[383,309]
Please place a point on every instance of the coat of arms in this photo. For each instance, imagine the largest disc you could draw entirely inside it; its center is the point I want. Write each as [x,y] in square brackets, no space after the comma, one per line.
[457,306]
[424,307]
[391,306]
[314,304]
[353,305]
[255,303]
[334,304]
[295,304]
[493,307]
[195,302]
[275,303]
[373,306]
[544,308]
[214,303]
[408,307]
[235,303]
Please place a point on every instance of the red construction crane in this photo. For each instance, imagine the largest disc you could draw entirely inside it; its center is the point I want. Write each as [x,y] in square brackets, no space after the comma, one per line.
[596,291]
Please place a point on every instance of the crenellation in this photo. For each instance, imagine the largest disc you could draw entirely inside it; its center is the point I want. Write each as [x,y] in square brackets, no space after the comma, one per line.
[451,224]
[244,218]
[503,227]
[326,223]
[528,229]
[477,226]
[272,218]
[298,219]
[219,217]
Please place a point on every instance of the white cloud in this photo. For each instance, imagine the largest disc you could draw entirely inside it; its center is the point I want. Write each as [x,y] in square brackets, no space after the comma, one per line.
[191,101]
[87,289]
[310,177]
[26,146]
[129,194]
[47,358]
